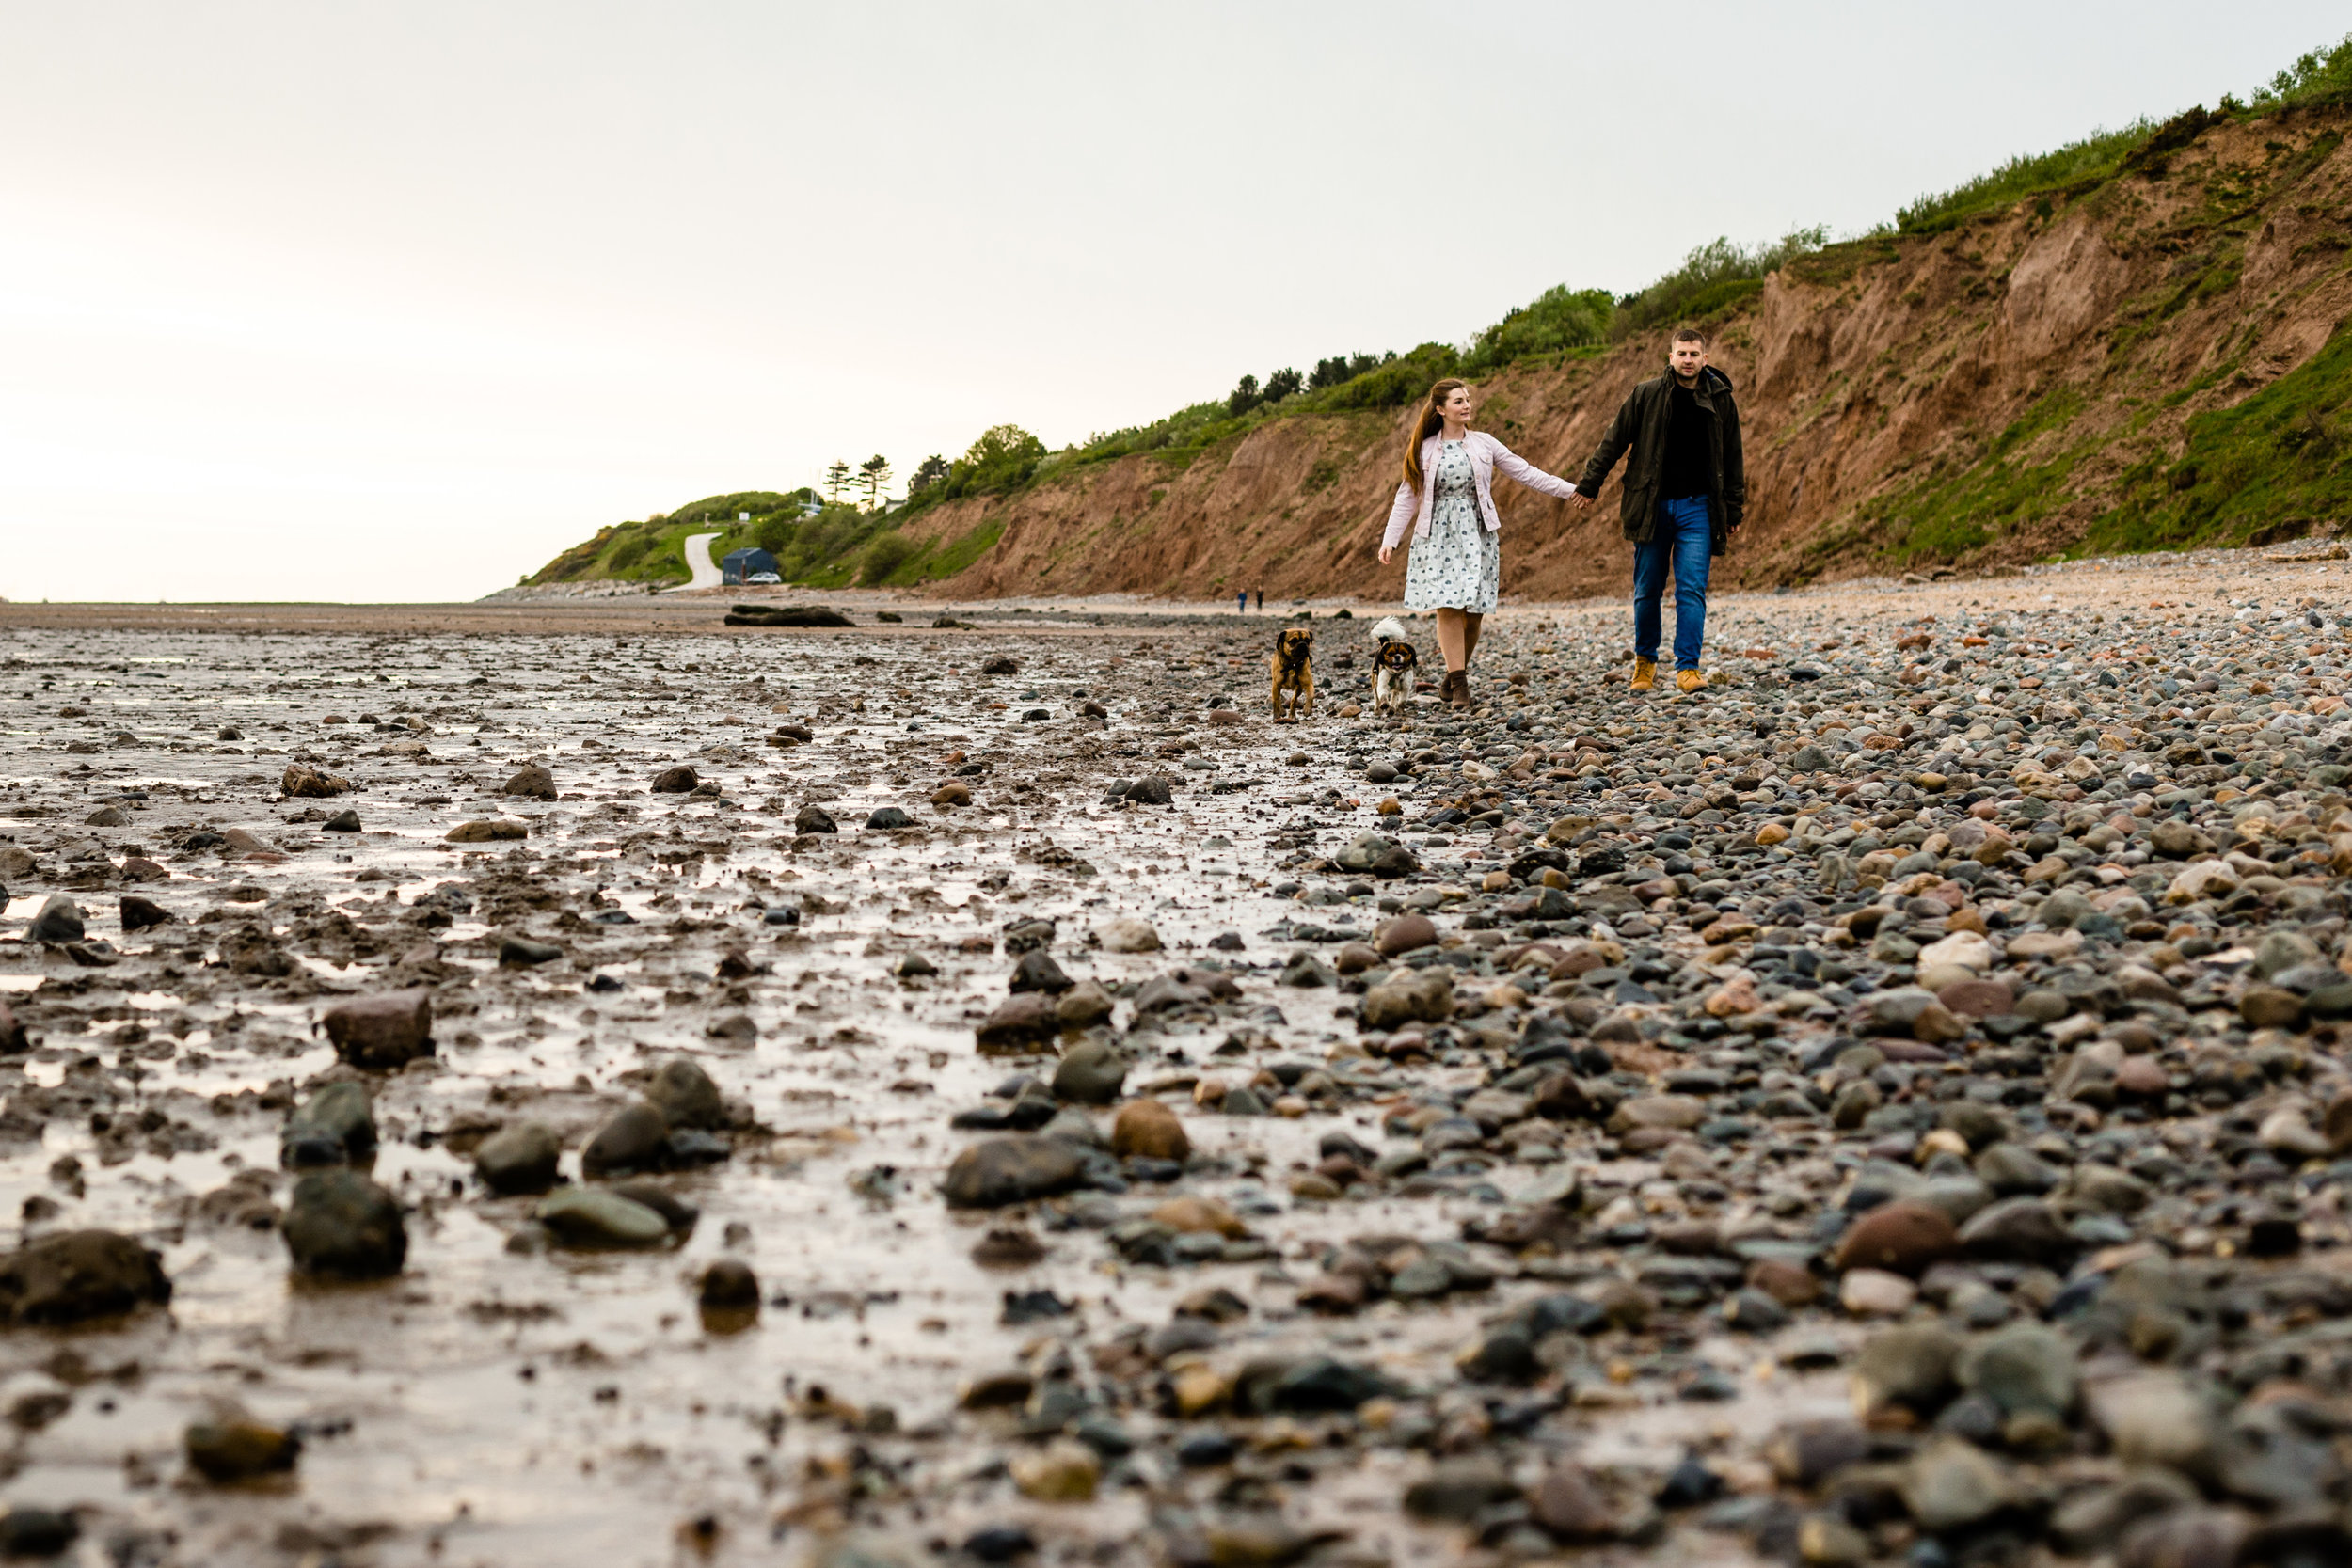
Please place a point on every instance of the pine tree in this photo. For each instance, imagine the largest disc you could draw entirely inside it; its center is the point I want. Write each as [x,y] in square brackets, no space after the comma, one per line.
[874,473]
[837,480]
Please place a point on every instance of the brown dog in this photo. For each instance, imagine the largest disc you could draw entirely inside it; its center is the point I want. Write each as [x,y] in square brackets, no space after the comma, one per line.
[1293,674]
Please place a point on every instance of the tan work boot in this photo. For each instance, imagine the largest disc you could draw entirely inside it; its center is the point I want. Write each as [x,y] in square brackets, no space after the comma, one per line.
[1689,680]
[1644,673]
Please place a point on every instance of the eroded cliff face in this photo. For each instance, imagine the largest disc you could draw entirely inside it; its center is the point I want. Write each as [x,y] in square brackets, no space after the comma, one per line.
[1974,397]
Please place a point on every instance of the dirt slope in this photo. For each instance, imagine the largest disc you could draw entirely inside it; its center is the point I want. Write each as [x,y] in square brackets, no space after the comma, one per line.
[2020,385]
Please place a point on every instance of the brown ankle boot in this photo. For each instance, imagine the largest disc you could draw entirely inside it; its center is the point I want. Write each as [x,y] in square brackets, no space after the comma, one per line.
[1457,692]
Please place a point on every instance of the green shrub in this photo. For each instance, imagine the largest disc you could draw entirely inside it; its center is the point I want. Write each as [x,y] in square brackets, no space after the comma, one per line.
[724,509]
[1396,383]
[1559,318]
[883,554]
[2322,76]
[774,532]
[1698,287]
[1345,367]
[927,473]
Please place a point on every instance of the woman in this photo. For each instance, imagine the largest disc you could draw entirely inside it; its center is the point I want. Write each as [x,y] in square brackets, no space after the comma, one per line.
[1457,563]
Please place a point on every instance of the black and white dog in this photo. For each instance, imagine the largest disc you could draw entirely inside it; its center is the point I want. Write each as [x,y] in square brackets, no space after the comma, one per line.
[1393,663]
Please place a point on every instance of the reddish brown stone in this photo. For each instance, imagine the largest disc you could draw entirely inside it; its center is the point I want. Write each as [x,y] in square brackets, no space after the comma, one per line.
[1690,1238]
[1977,998]
[1337,1293]
[1339,1168]
[1406,933]
[1900,1238]
[386,1030]
[1025,1022]
[1936,1025]
[1571,1507]
[2338,1125]
[1784,1282]
[1149,1128]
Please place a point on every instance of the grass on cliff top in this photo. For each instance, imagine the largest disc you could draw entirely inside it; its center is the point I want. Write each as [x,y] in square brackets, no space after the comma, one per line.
[2321,76]
[2095,157]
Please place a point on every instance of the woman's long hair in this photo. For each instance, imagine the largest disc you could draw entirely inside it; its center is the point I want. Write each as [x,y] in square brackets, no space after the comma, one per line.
[1432,419]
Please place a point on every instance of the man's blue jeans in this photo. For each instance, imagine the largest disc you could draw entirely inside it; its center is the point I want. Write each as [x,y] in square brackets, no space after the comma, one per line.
[1683,538]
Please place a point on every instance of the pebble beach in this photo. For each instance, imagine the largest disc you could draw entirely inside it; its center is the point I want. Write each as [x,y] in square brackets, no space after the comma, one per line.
[540,1084]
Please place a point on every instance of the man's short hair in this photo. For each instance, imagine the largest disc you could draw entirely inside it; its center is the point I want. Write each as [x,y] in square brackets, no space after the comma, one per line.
[1689,335]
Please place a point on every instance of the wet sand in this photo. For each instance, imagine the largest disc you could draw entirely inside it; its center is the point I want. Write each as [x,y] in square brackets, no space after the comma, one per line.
[506,1400]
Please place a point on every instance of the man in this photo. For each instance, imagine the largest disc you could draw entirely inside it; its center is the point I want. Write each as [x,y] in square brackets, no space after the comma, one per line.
[1685,493]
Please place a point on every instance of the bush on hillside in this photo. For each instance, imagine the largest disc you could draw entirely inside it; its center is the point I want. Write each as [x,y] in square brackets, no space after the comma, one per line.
[1712,277]
[1559,318]
[1345,367]
[883,554]
[774,532]
[726,509]
[1397,382]
[2322,76]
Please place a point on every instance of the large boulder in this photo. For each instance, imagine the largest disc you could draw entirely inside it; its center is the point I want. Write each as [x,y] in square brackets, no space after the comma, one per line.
[532,781]
[519,1159]
[633,1139]
[334,1127]
[339,1225]
[59,921]
[685,1094]
[79,1275]
[1900,1238]
[1026,1021]
[1411,996]
[997,1171]
[386,1030]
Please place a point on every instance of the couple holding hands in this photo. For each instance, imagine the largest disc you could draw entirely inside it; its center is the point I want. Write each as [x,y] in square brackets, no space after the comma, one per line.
[1684,495]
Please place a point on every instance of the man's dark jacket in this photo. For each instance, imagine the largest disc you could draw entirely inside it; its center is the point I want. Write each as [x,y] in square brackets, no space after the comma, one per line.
[1640,428]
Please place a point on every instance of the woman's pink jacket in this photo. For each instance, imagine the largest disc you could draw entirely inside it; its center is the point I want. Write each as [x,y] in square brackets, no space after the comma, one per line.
[1487,454]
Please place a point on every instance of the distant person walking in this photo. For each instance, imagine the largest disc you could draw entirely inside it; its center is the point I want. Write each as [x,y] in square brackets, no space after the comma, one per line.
[1685,493]
[1447,495]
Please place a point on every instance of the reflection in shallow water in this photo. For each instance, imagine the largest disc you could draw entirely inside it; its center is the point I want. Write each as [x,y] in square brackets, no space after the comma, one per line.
[501,1402]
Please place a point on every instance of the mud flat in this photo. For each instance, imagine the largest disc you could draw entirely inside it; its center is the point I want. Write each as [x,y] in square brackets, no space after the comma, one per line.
[915,1094]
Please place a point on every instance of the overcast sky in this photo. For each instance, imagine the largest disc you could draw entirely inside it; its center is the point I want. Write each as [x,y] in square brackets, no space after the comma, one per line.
[397,301]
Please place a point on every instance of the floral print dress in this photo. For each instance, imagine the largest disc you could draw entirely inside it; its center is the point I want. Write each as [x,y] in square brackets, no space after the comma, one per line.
[1459,565]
